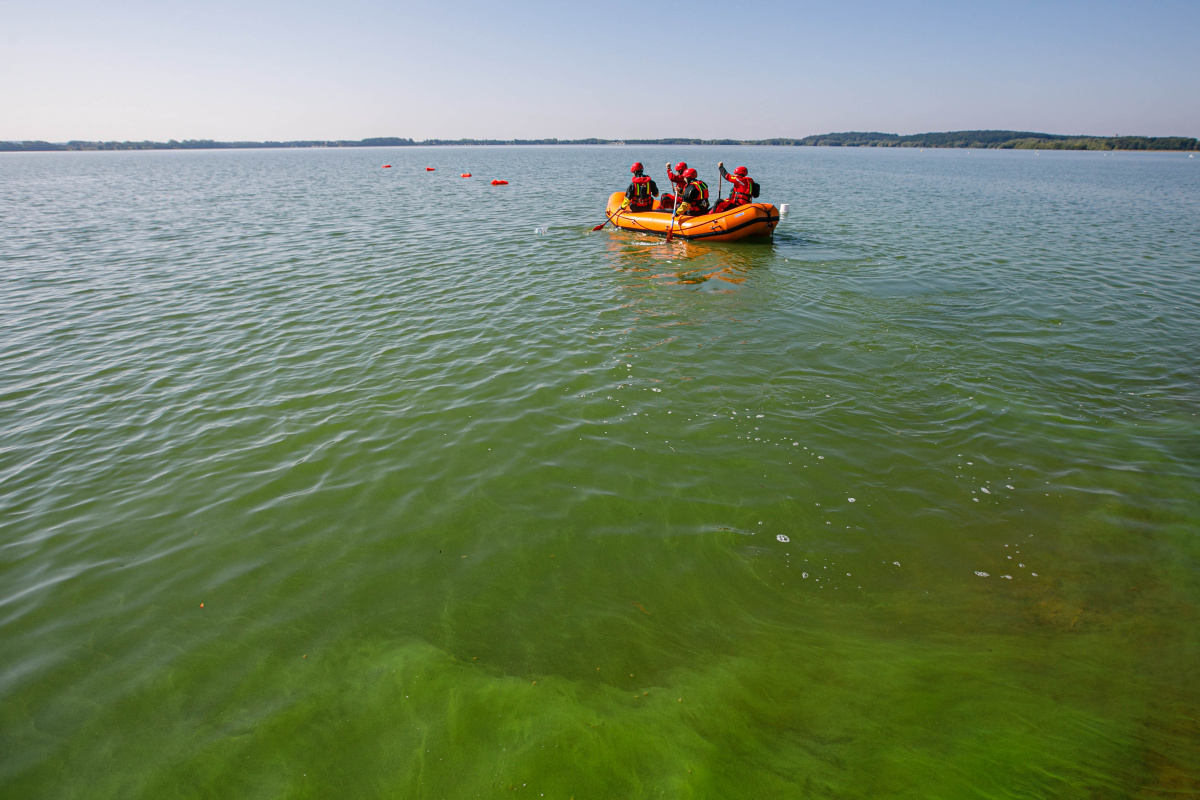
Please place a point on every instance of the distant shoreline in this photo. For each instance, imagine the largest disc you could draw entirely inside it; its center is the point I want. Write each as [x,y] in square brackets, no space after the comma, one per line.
[974,140]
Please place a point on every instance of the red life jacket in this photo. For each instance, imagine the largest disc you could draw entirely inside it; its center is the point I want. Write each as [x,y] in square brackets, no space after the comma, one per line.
[641,192]
[743,189]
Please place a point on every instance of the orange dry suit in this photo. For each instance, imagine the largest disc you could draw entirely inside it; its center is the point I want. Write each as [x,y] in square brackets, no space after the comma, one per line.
[742,194]
[679,184]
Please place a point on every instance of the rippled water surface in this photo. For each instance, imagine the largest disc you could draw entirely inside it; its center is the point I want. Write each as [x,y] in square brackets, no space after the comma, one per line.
[319,479]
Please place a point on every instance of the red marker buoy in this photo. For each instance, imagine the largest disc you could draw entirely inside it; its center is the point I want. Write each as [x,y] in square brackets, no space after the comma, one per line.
[499,183]
[429,169]
[466,174]
[387,166]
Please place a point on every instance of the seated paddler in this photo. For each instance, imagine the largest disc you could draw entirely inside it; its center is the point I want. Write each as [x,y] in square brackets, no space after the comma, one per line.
[641,192]
[743,188]
[695,196]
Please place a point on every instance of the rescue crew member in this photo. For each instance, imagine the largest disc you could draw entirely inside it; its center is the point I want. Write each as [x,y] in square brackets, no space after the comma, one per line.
[743,188]
[669,200]
[695,196]
[641,192]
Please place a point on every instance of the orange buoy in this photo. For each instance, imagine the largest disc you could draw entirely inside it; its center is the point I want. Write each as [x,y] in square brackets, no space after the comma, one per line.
[429,169]
[466,174]
[387,166]
[501,183]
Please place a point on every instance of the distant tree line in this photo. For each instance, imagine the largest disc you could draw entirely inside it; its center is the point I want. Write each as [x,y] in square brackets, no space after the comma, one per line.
[196,144]
[1005,140]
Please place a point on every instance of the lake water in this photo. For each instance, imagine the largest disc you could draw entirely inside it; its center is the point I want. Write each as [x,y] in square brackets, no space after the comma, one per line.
[319,479]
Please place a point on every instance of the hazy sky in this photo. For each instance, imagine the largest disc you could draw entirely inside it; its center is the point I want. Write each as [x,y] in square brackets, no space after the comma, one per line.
[266,69]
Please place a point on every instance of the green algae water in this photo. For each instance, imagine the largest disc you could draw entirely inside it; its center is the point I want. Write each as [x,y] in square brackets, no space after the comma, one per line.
[319,479]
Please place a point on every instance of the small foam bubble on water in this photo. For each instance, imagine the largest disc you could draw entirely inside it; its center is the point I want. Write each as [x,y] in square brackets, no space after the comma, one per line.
[981,574]
[803,574]
[1007,577]
[851,499]
[782,538]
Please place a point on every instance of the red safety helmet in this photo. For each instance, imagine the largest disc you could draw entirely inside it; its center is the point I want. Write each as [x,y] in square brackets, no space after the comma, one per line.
[637,167]
[740,171]
[680,167]
[689,173]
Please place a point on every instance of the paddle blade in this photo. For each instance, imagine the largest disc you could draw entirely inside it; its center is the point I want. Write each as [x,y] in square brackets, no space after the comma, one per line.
[601,225]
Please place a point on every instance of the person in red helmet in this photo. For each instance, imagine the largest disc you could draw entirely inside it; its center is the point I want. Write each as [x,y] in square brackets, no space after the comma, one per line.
[695,196]
[641,192]
[743,188]
[669,200]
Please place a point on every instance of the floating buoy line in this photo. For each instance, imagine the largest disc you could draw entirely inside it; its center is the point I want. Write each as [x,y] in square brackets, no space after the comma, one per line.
[495,181]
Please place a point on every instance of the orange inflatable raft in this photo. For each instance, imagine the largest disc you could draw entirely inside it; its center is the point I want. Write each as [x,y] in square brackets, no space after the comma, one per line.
[743,222]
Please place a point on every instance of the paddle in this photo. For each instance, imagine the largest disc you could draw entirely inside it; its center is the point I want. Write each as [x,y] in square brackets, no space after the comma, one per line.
[610,219]
[720,180]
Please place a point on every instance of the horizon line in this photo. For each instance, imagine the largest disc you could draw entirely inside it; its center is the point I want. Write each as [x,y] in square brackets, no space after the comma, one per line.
[969,139]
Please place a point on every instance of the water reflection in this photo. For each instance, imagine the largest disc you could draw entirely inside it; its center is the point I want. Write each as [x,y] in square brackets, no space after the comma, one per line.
[687,262]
